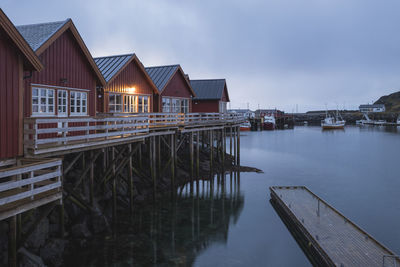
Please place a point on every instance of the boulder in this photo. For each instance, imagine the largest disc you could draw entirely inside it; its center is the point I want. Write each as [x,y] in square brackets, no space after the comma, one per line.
[99,221]
[28,259]
[39,235]
[52,252]
[80,230]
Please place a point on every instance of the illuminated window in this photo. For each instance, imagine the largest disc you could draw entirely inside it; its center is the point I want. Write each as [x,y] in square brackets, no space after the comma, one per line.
[130,103]
[143,104]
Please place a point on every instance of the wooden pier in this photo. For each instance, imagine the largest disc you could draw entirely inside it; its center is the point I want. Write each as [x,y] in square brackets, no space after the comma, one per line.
[326,236]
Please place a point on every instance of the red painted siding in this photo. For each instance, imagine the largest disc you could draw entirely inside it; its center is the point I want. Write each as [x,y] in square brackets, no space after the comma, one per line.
[225,95]
[205,106]
[10,80]
[177,87]
[131,76]
[64,59]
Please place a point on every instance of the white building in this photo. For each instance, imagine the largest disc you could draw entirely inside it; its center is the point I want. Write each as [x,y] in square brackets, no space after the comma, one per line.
[372,108]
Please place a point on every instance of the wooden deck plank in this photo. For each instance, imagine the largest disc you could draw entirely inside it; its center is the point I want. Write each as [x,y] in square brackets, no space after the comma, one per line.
[345,243]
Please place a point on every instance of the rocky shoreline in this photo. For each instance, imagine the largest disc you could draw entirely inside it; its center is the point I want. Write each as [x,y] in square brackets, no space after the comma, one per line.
[42,245]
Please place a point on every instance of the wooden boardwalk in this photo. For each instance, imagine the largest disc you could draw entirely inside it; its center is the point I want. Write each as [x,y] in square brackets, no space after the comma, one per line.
[331,238]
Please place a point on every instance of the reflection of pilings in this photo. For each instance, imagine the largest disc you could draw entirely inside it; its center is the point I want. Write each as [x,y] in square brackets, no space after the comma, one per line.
[238,146]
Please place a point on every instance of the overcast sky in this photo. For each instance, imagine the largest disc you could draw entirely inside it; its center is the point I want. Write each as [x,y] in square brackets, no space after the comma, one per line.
[273,53]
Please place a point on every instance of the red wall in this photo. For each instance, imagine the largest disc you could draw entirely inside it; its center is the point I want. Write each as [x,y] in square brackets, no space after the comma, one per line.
[177,87]
[205,106]
[225,95]
[64,59]
[10,80]
[131,76]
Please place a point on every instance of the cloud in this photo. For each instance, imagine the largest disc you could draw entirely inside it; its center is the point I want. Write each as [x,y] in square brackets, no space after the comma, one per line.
[275,53]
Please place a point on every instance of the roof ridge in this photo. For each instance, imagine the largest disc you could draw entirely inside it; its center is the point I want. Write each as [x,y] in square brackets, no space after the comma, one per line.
[222,79]
[44,23]
[122,55]
[163,66]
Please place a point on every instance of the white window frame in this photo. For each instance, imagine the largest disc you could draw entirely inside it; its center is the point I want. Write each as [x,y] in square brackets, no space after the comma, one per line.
[62,95]
[142,107]
[79,101]
[222,107]
[166,104]
[43,93]
[130,103]
[115,105]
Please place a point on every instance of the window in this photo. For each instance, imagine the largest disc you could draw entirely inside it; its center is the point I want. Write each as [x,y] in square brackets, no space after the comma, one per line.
[222,107]
[185,106]
[78,103]
[115,103]
[143,104]
[62,97]
[130,103]
[166,104]
[42,101]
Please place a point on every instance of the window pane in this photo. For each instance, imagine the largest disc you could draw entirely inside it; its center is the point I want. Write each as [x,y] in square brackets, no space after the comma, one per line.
[35,108]
[50,93]
[35,92]
[35,101]
[42,92]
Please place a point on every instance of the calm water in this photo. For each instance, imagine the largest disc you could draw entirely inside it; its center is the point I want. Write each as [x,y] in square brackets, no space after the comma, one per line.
[231,222]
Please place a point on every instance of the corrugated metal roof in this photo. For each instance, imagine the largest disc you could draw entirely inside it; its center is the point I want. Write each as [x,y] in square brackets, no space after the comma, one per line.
[111,65]
[161,75]
[37,34]
[208,89]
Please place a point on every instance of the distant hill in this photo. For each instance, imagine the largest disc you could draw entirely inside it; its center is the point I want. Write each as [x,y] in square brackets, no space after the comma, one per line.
[391,102]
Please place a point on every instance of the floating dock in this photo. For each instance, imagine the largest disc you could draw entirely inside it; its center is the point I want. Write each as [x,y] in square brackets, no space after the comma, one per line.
[326,236]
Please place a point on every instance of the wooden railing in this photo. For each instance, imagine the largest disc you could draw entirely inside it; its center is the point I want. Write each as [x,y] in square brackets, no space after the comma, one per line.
[206,118]
[30,184]
[79,132]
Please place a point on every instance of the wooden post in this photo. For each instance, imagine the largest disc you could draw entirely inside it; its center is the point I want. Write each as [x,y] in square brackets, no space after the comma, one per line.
[238,146]
[203,139]
[191,155]
[130,177]
[234,147]
[12,242]
[140,155]
[61,218]
[91,178]
[230,141]
[223,148]
[211,141]
[152,153]
[114,184]
[158,157]
[198,156]
[172,148]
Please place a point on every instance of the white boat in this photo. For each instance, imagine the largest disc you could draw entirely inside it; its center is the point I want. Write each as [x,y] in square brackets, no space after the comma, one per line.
[331,122]
[269,122]
[245,126]
[367,120]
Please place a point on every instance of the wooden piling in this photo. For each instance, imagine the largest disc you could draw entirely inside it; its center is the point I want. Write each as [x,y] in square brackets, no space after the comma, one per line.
[191,155]
[230,141]
[130,177]
[91,179]
[234,146]
[198,156]
[211,142]
[12,242]
[61,219]
[223,148]
[172,151]
[114,185]
[238,146]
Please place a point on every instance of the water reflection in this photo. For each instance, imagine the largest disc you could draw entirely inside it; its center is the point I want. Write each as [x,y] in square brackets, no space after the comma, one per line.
[174,230]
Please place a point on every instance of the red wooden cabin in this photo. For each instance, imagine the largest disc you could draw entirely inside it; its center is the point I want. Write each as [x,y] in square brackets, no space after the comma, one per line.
[66,87]
[175,92]
[211,95]
[16,56]
[129,88]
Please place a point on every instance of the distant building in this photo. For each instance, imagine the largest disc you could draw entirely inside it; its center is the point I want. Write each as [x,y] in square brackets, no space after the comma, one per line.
[211,95]
[372,108]
[269,112]
[247,113]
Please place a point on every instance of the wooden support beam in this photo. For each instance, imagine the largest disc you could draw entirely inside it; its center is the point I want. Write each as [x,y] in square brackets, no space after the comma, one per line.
[198,156]
[72,163]
[130,177]
[153,163]
[140,155]
[91,176]
[191,155]
[211,142]
[86,170]
[114,185]
[173,151]
[230,141]
[12,242]
[234,146]
[223,148]
[61,218]
[238,146]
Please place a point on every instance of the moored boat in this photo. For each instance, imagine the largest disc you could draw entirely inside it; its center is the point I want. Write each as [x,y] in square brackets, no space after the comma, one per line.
[245,126]
[331,122]
[269,123]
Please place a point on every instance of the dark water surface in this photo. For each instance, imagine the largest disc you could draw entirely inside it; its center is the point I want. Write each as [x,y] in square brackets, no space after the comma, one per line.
[233,224]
